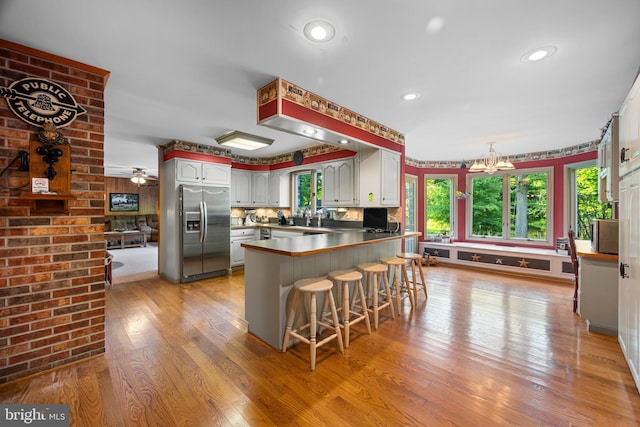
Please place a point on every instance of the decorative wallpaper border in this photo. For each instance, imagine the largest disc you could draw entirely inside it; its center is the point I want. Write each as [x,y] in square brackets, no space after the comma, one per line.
[327,148]
[267,161]
[528,157]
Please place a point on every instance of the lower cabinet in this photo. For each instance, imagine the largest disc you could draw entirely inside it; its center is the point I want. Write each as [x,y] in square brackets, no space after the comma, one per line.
[238,236]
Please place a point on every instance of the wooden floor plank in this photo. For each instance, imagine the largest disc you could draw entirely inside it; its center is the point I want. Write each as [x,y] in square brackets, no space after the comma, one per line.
[483,349]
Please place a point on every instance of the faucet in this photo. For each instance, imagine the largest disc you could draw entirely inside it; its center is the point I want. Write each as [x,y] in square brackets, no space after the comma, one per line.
[308,220]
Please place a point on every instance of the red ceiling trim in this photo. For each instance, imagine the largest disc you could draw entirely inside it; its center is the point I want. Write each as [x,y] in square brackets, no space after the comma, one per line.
[179,154]
[315,118]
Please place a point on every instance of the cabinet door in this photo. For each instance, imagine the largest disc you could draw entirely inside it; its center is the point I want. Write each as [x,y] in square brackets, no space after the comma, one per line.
[629,131]
[337,182]
[390,175]
[259,185]
[628,289]
[188,171]
[240,188]
[216,174]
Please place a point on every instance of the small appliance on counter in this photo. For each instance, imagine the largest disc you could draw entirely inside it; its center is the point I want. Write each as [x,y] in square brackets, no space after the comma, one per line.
[604,236]
[250,219]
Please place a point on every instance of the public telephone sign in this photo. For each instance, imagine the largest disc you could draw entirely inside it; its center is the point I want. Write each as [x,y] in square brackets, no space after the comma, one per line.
[39,101]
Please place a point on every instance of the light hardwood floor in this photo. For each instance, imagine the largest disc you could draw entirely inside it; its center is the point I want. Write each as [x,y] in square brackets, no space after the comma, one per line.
[484,350]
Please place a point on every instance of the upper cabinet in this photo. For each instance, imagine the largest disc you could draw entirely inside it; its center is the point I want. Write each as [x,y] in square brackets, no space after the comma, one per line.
[202,173]
[279,194]
[337,183]
[608,153]
[240,194]
[629,131]
[252,189]
[259,188]
[379,178]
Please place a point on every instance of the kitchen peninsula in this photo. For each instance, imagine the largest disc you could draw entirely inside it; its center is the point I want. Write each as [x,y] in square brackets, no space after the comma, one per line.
[272,266]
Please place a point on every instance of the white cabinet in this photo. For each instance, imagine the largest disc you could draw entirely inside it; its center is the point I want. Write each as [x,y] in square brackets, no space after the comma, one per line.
[238,236]
[608,163]
[203,173]
[629,273]
[379,178]
[259,188]
[240,192]
[279,194]
[598,294]
[249,189]
[337,183]
[629,131]
[390,172]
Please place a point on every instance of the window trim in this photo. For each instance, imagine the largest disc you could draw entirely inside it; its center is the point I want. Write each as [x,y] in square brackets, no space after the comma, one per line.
[294,191]
[506,191]
[453,206]
[570,217]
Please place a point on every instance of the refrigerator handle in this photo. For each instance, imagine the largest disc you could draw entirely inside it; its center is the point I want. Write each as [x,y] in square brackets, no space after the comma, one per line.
[204,214]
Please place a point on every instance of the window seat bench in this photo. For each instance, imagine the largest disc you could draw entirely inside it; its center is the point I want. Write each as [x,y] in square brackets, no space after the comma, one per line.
[507,259]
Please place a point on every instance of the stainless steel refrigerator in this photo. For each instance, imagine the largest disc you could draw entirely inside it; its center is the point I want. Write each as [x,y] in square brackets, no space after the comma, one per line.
[205,223]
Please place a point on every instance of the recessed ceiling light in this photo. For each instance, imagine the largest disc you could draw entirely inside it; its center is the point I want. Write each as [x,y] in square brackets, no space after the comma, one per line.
[411,96]
[344,141]
[309,131]
[538,54]
[319,31]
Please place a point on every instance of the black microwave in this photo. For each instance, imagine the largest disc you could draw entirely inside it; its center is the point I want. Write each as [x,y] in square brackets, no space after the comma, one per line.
[604,236]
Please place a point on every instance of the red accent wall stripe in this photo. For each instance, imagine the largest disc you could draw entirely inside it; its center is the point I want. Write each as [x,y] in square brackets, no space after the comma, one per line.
[189,155]
[317,119]
[267,110]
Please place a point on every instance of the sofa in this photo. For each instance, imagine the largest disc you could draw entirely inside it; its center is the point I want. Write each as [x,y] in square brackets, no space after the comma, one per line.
[146,223]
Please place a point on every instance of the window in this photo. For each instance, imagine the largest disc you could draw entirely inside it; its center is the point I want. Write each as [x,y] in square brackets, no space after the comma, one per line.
[307,192]
[439,205]
[511,206]
[582,203]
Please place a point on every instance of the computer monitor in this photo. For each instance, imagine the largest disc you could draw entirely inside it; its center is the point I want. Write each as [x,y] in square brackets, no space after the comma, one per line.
[375,218]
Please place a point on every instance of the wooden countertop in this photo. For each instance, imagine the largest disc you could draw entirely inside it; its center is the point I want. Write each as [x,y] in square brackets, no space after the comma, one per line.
[584,249]
[320,243]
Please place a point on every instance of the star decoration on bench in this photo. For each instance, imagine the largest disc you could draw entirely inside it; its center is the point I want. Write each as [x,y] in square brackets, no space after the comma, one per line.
[523,263]
[475,257]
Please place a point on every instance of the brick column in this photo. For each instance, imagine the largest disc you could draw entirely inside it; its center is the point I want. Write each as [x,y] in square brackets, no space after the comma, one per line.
[51,267]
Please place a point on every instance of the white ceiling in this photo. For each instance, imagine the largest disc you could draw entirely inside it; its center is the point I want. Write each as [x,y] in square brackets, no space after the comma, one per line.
[190,69]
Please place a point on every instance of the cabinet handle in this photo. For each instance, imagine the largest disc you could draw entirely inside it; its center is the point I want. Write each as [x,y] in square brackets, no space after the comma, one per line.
[623,155]
[623,270]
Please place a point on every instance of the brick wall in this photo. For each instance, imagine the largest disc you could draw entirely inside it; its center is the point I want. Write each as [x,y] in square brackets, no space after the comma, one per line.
[51,267]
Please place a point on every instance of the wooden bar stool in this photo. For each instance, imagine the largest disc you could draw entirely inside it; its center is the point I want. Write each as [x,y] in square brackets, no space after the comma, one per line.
[375,276]
[343,279]
[415,260]
[400,283]
[312,287]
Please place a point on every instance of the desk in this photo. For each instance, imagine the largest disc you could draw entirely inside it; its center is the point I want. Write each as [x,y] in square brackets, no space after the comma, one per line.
[125,239]
[598,292]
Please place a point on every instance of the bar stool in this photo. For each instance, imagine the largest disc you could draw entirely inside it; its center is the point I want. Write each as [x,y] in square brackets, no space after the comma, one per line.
[415,260]
[312,286]
[343,279]
[400,283]
[375,276]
